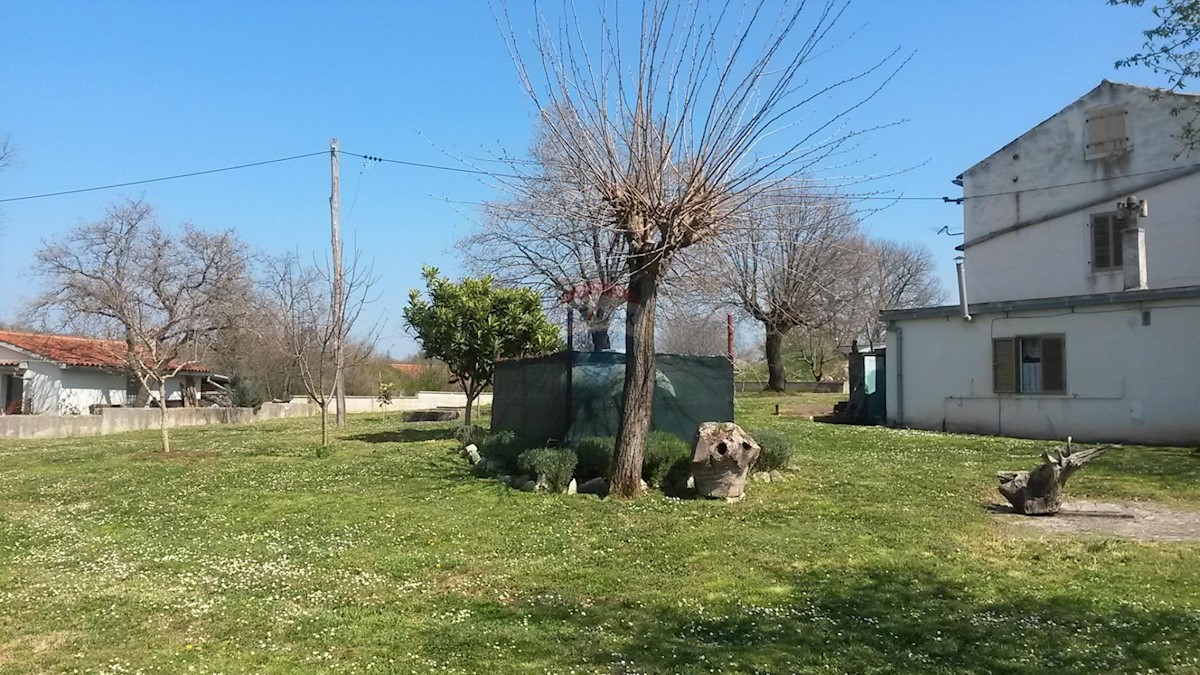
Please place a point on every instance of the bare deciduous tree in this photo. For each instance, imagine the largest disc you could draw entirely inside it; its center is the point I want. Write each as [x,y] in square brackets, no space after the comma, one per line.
[886,275]
[7,151]
[783,264]
[553,239]
[308,327]
[674,133]
[167,294]
[685,328]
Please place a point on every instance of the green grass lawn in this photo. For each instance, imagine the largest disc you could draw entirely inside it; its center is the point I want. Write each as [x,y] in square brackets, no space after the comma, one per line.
[247,552]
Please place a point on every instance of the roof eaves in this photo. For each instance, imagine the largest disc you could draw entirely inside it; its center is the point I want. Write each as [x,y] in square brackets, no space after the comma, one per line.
[1034,304]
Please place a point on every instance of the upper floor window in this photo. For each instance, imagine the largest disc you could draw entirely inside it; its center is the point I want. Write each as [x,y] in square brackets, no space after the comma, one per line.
[1107,132]
[1106,241]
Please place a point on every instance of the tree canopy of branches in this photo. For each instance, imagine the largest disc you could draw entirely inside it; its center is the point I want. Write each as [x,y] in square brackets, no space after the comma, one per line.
[301,306]
[549,240]
[471,324]
[886,275]
[1170,49]
[667,132]
[167,294]
[783,265]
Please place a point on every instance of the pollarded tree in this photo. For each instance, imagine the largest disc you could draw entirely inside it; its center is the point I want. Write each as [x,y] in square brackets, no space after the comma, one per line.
[553,239]
[471,324]
[167,294]
[674,132]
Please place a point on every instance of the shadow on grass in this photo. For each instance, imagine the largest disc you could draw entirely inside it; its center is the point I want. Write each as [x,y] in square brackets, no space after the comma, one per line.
[869,622]
[407,435]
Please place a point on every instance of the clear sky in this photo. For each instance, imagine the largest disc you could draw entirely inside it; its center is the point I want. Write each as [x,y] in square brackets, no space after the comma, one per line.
[94,93]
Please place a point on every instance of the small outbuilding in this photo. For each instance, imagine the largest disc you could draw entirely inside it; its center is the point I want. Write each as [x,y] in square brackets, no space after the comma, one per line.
[45,374]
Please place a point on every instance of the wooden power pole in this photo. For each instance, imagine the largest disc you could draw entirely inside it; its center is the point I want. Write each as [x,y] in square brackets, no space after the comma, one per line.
[339,292]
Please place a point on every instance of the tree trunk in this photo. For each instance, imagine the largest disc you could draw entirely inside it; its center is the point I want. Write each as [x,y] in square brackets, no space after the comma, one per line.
[1039,492]
[638,396]
[467,412]
[162,416]
[600,340]
[776,378]
[325,423]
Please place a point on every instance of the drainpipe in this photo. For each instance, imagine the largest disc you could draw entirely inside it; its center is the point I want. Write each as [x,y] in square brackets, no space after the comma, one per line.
[895,330]
[962,289]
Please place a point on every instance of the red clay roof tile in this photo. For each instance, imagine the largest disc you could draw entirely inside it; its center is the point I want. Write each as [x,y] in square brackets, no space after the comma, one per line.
[81,352]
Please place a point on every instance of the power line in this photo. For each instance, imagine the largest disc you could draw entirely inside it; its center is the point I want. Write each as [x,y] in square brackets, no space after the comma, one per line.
[439,167]
[495,174]
[162,178]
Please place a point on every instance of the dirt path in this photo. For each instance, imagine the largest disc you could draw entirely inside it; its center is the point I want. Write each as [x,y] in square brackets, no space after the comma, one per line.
[1142,521]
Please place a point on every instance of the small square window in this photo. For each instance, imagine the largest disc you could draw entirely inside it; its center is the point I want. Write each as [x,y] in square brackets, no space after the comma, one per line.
[1107,132]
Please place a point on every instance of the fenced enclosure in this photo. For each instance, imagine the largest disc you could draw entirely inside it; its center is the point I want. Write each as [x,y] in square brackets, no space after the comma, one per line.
[572,395]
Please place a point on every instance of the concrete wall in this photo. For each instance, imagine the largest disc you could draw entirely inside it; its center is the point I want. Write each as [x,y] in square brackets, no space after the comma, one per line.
[118,420]
[1052,256]
[818,387]
[1125,382]
[424,400]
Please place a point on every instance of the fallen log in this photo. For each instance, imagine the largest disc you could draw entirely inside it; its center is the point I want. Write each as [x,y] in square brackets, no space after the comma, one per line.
[1039,492]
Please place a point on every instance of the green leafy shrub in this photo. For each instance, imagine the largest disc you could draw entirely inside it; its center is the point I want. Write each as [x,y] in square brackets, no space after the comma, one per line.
[595,456]
[665,454]
[555,465]
[246,393]
[777,449]
[504,449]
[467,435]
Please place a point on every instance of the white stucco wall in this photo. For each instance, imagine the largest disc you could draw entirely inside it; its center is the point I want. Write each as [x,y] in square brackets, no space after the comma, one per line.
[82,388]
[1052,256]
[1125,382]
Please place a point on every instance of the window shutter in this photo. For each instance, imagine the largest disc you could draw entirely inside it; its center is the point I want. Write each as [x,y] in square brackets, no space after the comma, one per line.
[1101,242]
[1054,373]
[1004,366]
[1116,227]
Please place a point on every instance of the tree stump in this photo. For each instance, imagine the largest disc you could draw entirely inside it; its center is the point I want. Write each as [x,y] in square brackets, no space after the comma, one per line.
[1039,492]
[721,457]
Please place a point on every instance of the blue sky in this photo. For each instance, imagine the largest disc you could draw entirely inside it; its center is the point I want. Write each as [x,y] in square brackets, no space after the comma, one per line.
[96,93]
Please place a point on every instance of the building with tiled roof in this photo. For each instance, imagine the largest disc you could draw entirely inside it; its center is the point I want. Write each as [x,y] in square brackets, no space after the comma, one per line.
[42,373]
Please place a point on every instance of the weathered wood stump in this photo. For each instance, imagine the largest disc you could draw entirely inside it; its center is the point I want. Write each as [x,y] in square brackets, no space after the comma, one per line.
[1039,492]
[721,457]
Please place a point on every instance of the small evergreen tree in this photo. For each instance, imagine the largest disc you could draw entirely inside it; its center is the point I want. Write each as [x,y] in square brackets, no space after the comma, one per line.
[470,324]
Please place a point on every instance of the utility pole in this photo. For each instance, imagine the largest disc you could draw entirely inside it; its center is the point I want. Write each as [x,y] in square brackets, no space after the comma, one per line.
[338,305]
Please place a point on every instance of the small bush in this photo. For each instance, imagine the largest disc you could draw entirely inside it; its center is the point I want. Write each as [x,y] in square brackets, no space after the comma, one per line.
[777,449]
[246,393]
[555,465]
[468,435]
[504,449]
[595,456]
[665,454]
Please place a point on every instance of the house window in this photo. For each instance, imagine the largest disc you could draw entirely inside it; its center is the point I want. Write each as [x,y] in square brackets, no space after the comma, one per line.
[1029,364]
[1106,241]
[1106,132]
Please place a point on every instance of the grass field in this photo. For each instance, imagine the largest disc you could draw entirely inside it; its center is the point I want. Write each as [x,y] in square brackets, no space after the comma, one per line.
[248,552]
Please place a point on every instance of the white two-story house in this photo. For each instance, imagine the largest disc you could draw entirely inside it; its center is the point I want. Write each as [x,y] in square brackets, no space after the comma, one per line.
[1081,251]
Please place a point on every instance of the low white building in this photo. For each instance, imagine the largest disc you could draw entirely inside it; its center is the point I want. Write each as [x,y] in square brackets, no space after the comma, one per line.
[66,375]
[1082,270]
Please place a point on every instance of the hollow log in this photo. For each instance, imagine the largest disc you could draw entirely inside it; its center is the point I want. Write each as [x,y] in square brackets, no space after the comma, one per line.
[1039,492]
